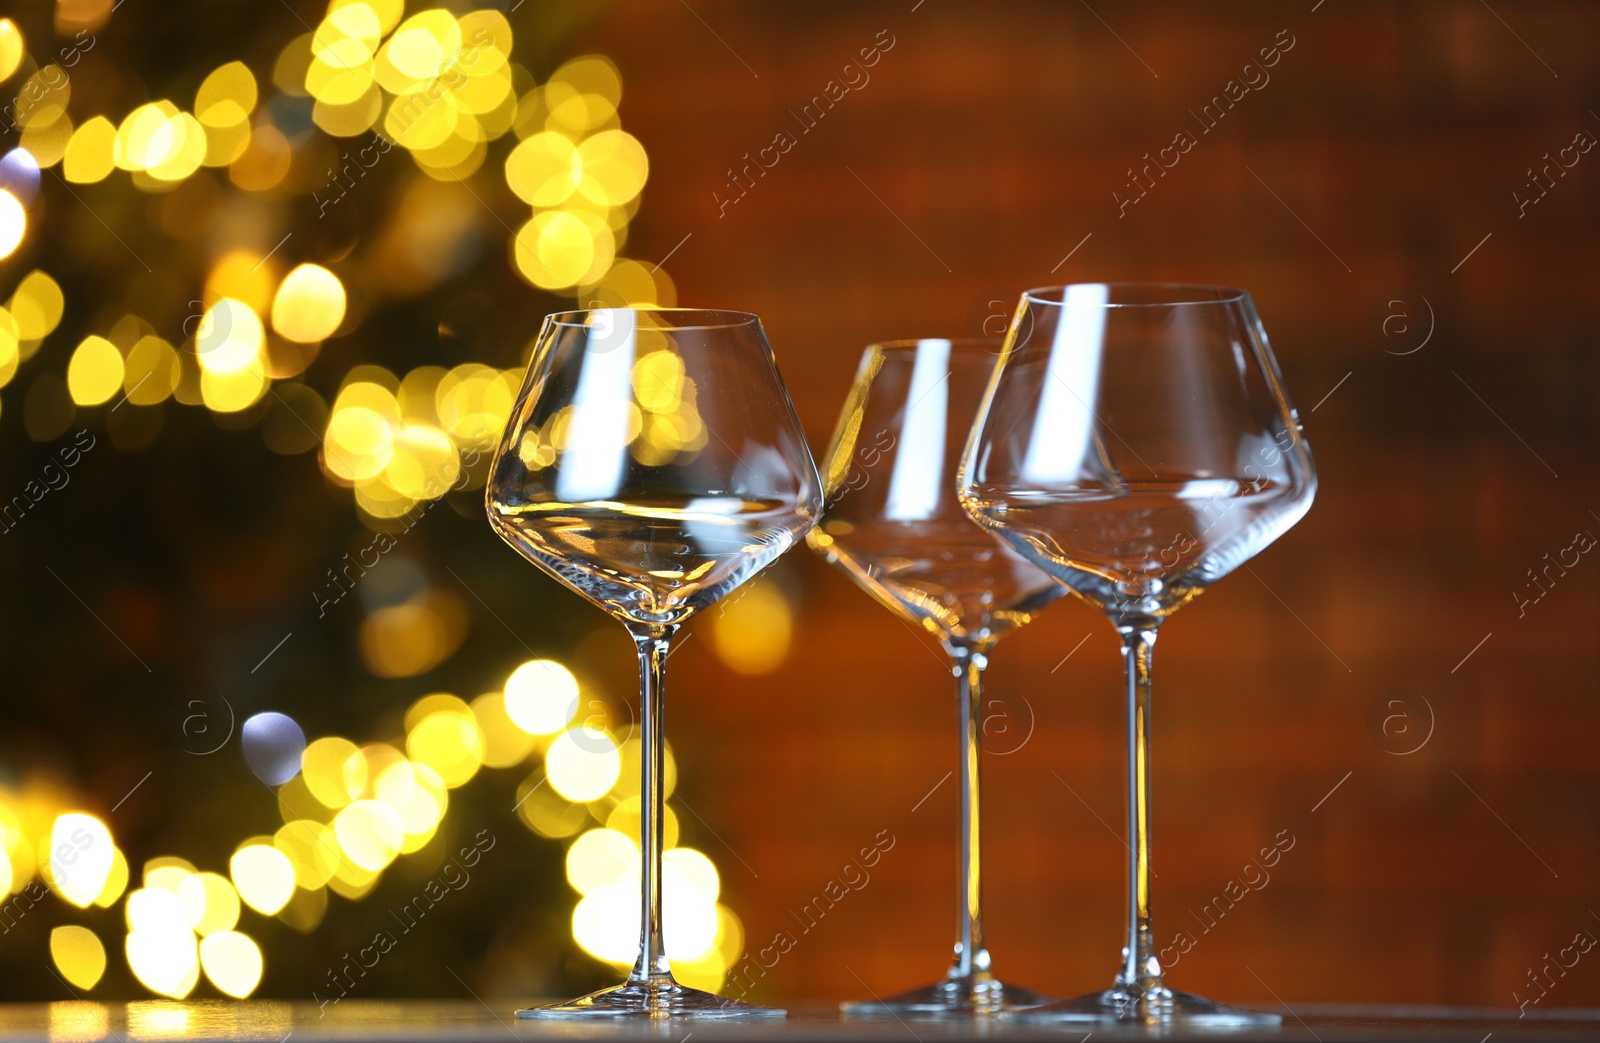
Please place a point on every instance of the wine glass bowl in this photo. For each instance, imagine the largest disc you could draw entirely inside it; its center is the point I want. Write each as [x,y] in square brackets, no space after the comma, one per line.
[1140,446]
[895,526]
[628,481]
[652,463]
[1136,443]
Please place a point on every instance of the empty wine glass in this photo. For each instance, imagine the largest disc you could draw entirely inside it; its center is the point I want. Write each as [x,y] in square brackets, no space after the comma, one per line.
[1136,443]
[894,525]
[652,463]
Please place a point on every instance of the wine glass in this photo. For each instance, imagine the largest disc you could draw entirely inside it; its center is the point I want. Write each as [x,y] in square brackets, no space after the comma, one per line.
[894,525]
[652,463]
[1136,443]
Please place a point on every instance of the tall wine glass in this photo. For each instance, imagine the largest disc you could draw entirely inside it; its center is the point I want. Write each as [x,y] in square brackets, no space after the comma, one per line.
[1137,444]
[894,525]
[652,463]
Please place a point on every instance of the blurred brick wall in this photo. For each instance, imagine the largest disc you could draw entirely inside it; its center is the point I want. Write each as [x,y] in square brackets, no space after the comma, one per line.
[985,147]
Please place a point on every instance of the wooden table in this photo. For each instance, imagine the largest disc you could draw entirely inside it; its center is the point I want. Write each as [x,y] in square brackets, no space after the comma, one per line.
[469,1022]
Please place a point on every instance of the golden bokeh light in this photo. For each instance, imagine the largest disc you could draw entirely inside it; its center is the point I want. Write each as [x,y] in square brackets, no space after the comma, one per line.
[172,879]
[370,833]
[47,142]
[341,68]
[418,796]
[10,348]
[165,961]
[386,12]
[450,743]
[152,371]
[226,97]
[13,223]
[229,338]
[627,785]
[753,634]
[358,21]
[558,249]
[359,442]
[37,304]
[605,924]
[217,900]
[543,170]
[86,15]
[658,381]
[624,817]
[155,909]
[81,857]
[689,918]
[309,304]
[178,150]
[613,167]
[145,136]
[91,152]
[504,742]
[230,392]
[412,638]
[264,162]
[422,47]
[335,770]
[12,48]
[95,372]
[246,277]
[545,811]
[602,858]
[693,869]
[262,875]
[312,849]
[116,881]
[425,462]
[232,962]
[306,909]
[583,764]
[79,955]
[43,98]
[541,696]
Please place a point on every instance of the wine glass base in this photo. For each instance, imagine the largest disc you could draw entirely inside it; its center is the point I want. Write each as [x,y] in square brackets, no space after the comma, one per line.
[948,998]
[651,1000]
[1156,1007]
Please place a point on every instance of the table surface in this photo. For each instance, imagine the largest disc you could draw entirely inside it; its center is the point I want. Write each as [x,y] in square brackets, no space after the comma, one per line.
[467,1022]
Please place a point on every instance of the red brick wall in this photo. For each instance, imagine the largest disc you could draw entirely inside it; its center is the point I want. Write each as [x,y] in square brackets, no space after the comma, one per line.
[997,132]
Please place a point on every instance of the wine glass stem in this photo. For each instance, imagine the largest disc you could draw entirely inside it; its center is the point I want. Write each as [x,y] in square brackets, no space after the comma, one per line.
[1141,971]
[652,643]
[972,955]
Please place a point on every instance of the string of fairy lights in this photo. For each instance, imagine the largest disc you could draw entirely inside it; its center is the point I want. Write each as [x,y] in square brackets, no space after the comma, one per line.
[443,88]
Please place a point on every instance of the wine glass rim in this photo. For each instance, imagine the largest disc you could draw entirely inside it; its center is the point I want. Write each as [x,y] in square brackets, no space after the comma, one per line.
[713,318]
[907,347]
[1151,294]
